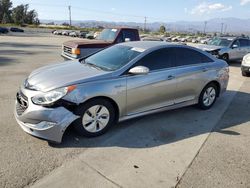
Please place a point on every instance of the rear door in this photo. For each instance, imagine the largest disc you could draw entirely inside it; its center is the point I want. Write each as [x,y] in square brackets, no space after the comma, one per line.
[192,72]
[245,48]
[157,88]
[235,53]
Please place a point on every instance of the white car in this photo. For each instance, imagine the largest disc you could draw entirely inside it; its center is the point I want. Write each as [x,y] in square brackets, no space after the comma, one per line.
[176,39]
[245,65]
[205,40]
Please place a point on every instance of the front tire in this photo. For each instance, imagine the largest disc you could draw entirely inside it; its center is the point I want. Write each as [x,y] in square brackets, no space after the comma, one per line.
[225,57]
[96,117]
[208,96]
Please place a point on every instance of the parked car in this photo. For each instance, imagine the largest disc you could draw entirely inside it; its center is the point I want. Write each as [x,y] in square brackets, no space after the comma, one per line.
[196,40]
[205,40]
[152,39]
[176,39]
[76,49]
[14,29]
[57,32]
[118,83]
[90,35]
[96,34]
[66,33]
[228,48]
[245,65]
[185,39]
[168,39]
[82,34]
[4,30]
[73,34]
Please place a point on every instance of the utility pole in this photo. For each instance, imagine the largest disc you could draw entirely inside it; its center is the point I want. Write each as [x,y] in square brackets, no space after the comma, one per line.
[225,29]
[145,23]
[222,26]
[205,27]
[69,16]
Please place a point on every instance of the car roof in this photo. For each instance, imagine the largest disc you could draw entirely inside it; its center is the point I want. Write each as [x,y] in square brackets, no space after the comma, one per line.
[146,44]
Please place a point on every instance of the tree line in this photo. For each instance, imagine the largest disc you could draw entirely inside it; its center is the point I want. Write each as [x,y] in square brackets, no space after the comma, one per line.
[17,15]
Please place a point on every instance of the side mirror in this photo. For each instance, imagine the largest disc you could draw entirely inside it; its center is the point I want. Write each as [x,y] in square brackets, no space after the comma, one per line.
[235,46]
[139,70]
[127,39]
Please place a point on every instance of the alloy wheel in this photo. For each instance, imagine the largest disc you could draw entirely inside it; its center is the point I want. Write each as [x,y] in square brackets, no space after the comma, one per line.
[209,96]
[95,118]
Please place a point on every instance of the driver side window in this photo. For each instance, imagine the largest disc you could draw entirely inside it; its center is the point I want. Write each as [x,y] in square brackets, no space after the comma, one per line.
[236,43]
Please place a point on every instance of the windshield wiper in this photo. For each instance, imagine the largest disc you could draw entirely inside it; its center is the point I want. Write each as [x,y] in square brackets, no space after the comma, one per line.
[95,66]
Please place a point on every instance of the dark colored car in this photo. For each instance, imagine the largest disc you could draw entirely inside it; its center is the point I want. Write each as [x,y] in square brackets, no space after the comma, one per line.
[3,30]
[15,29]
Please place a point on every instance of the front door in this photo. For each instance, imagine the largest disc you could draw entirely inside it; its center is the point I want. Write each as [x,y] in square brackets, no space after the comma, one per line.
[155,89]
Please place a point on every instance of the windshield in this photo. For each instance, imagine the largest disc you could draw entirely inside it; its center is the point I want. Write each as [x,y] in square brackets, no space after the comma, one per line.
[107,35]
[220,42]
[112,58]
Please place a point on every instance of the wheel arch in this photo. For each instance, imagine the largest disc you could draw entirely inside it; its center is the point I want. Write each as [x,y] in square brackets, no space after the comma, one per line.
[227,54]
[112,101]
[215,82]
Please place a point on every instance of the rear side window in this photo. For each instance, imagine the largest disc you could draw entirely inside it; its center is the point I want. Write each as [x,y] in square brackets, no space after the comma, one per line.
[129,34]
[186,56]
[244,42]
[159,59]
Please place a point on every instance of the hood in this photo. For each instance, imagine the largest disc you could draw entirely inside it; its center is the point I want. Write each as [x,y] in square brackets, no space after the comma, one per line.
[208,48]
[87,43]
[63,74]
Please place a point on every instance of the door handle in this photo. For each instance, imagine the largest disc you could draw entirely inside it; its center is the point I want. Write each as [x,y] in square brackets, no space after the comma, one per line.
[170,77]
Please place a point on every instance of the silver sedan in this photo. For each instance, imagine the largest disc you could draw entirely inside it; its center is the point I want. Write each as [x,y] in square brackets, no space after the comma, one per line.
[121,82]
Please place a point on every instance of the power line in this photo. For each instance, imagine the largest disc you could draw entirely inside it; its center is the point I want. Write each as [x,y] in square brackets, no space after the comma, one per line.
[97,11]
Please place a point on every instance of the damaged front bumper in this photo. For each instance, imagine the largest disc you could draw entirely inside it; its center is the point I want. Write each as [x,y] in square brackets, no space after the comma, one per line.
[42,122]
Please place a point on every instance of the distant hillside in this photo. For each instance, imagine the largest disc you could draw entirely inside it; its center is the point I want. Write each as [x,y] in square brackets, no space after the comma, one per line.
[231,25]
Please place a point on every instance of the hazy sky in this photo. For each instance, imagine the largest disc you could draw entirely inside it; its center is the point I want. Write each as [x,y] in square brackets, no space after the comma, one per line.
[136,10]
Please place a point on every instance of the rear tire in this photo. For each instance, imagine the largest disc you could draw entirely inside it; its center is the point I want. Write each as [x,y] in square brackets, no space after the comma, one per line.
[208,96]
[244,73]
[96,117]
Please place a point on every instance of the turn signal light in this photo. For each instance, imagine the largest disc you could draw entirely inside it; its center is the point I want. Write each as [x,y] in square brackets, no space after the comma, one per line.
[76,51]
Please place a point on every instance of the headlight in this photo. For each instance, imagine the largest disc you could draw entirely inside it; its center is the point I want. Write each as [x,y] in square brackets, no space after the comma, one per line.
[246,60]
[52,96]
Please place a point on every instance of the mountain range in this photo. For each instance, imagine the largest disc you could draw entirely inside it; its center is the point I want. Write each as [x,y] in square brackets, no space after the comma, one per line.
[228,25]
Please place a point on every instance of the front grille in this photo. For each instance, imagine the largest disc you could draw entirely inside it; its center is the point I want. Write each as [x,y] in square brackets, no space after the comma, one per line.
[67,49]
[22,103]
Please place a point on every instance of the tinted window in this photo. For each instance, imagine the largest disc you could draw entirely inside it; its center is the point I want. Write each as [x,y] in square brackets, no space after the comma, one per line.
[185,56]
[159,59]
[236,43]
[244,42]
[129,34]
